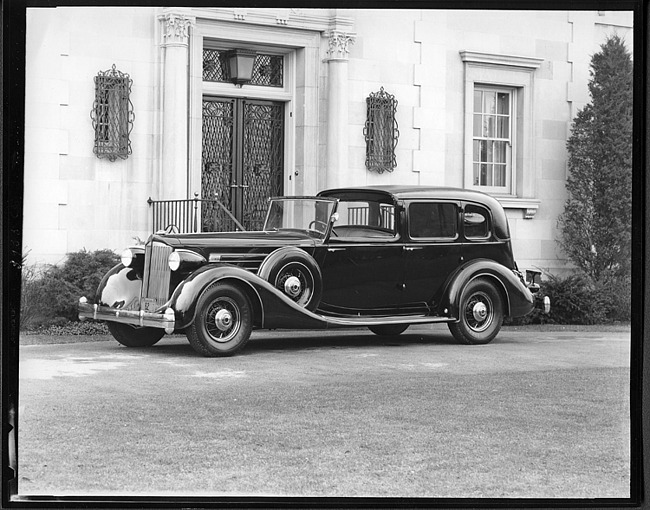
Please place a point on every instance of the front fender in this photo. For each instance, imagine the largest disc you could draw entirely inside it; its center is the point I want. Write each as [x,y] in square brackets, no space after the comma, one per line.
[271,307]
[518,299]
[120,288]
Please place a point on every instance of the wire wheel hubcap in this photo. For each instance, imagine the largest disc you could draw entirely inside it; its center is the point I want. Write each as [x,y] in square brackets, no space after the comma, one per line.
[223,319]
[296,282]
[292,286]
[479,312]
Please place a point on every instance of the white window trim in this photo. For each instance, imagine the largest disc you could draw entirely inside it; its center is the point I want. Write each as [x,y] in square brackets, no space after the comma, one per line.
[512,72]
[512,137]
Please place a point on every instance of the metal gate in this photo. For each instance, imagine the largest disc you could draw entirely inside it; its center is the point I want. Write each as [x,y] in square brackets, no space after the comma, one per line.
[242,160]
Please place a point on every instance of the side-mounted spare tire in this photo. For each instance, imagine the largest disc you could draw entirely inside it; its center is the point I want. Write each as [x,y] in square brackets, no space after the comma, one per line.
[295,273]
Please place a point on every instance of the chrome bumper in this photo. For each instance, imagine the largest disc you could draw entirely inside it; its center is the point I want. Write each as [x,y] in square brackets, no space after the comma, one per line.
[140,318]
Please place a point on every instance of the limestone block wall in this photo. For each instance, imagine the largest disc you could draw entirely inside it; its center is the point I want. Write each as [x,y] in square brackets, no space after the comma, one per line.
[72,199]
[414,54]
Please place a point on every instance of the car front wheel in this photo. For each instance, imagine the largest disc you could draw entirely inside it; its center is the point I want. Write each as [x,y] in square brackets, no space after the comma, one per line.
[480,312]
[223,321]
[131,336]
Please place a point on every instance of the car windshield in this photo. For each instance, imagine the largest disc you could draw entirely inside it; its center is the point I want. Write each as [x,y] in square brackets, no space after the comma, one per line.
[310,214]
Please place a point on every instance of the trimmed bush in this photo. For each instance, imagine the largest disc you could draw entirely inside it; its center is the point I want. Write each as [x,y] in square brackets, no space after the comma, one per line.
[577,299]
[49,295]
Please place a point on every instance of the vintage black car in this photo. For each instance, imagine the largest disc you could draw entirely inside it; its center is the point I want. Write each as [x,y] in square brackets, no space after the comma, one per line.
[379,257]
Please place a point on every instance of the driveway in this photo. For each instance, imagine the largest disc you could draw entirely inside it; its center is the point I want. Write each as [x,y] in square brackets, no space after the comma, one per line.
[535,414]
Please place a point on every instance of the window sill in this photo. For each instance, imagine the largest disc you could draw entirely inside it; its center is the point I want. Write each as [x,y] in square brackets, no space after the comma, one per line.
[529,206]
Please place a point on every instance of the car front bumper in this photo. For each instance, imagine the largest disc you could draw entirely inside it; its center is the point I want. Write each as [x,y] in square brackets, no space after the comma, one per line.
[165,320]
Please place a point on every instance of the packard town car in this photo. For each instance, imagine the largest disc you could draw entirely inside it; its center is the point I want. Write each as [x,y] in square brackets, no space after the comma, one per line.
[382,257]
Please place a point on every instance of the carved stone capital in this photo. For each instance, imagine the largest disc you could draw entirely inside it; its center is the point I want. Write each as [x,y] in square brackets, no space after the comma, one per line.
[176,29]
[339,43]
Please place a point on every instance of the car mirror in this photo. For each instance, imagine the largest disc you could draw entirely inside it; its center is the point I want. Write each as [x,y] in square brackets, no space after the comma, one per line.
[334,218]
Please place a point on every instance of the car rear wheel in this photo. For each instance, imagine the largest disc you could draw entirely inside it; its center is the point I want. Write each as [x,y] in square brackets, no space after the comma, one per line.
[223,321]
[481,313]
[389,329]
[132,336]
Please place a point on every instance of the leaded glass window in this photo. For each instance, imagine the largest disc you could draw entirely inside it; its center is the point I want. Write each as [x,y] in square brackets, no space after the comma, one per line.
[268,70]
[112,114]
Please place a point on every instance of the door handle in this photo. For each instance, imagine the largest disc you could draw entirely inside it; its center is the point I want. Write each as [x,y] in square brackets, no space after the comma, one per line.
[412,248]
[335,249]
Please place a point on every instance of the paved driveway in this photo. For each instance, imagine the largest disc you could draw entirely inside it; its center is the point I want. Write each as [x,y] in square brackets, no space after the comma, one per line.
[346,413]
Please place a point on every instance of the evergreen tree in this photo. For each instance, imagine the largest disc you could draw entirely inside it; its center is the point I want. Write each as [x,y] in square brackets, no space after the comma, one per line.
[596,223]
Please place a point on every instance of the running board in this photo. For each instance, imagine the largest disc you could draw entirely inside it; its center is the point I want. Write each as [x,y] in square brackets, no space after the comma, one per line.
[378,321]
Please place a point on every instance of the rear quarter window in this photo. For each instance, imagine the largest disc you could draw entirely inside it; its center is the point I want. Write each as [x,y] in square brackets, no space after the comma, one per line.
[476,222]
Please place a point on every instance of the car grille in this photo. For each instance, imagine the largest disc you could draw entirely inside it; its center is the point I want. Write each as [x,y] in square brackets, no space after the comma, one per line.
[155,284]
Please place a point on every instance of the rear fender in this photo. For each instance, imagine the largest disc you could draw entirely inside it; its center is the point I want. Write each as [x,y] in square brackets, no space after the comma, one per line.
[518,300]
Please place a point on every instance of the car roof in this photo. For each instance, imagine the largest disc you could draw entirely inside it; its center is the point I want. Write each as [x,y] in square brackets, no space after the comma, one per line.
[409,192]
[401,192]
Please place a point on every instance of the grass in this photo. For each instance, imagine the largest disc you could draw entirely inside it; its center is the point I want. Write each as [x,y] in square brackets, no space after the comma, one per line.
[331,427]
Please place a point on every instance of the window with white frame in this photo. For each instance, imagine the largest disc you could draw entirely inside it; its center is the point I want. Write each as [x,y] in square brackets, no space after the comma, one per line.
[499,120]
[492,138]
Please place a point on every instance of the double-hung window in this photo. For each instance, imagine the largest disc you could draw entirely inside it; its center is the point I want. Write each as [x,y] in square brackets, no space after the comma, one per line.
[499,119]
[492,138]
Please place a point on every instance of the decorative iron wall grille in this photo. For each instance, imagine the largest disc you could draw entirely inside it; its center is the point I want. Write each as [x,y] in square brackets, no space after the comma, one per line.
[381,132]
[112,114]
[268,70]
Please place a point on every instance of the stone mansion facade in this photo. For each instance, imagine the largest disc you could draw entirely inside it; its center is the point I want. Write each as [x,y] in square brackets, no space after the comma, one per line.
[127,107]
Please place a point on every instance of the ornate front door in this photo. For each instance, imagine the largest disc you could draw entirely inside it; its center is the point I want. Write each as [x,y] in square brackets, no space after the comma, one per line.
[242,160]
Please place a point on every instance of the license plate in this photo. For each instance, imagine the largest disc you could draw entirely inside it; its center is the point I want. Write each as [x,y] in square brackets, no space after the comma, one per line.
[148,304]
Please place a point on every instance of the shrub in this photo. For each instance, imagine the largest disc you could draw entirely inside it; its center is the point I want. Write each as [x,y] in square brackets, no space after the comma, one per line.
[50,294]
[616,292]
[578,299]
[574,300]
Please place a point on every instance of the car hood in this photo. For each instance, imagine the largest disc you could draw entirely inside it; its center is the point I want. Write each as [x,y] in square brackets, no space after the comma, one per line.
[218,240]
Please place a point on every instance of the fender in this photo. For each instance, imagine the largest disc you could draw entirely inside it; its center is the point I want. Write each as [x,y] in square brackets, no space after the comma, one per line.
[120,288]
[519,301]
[271,307]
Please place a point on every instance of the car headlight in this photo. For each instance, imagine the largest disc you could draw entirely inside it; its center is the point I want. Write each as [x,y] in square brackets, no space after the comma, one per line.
[186,258]
[127,257]
[174,260]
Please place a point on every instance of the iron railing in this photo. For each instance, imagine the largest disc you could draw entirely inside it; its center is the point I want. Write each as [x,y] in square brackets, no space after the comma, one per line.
[192,215]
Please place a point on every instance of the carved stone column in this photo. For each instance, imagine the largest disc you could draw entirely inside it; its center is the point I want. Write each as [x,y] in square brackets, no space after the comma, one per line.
[175,41]
[337,104]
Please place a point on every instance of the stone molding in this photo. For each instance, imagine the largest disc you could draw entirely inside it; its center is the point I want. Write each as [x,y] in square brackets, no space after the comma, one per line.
[176,29]
[476,57]
[529,206]
[339,44]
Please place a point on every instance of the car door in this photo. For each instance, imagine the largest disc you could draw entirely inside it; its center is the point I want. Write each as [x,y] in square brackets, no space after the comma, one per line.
[362,263]
[432,251]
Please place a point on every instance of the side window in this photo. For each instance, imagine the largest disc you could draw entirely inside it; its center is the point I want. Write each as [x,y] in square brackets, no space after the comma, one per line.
[430,219]
[363,214]
[476,222]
